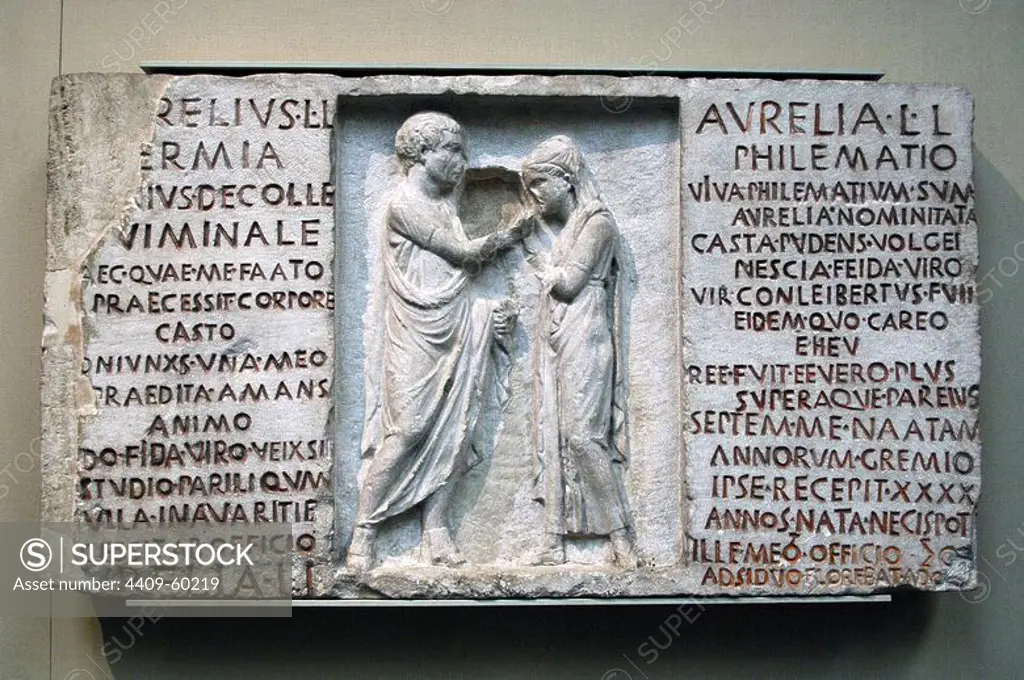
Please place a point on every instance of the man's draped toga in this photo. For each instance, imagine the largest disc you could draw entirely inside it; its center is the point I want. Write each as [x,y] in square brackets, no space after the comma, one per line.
[437,363]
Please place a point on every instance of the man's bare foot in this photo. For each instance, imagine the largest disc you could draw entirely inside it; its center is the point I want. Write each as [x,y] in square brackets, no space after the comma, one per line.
[360,550]
[439,548]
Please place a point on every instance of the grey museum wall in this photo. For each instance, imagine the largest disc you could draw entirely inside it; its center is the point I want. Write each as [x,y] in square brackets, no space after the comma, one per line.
[975,43]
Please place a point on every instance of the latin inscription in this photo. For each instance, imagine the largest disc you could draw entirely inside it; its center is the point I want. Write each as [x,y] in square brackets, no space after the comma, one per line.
[829,252]
[211,358]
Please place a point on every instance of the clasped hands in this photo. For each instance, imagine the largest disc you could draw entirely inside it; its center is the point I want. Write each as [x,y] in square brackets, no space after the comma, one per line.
[504,315]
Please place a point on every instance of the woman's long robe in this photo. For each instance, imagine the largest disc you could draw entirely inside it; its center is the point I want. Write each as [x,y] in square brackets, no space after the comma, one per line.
[579,390]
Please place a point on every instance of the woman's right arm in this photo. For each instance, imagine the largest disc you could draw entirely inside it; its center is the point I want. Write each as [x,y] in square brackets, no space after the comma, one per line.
[569,279]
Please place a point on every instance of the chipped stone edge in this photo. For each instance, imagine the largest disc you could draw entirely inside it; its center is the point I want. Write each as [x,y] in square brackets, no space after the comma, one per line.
[107,121]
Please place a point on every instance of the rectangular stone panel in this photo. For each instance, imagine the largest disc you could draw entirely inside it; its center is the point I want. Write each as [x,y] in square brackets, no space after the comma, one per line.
[522,337]
[831,317]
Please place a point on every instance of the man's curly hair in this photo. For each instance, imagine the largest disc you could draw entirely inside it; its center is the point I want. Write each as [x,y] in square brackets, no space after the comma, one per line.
[422,132]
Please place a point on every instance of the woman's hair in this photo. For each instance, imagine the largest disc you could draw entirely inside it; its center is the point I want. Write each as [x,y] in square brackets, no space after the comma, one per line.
[559,155]
[422,132]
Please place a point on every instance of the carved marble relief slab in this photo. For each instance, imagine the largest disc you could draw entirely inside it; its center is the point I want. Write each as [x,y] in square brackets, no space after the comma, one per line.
[494,337]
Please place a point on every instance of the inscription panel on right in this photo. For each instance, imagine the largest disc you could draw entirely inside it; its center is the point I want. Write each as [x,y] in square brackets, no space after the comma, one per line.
[831,348]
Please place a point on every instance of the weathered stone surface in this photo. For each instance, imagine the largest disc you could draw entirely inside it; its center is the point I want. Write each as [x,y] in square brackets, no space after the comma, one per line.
[832,335]
[253,305]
